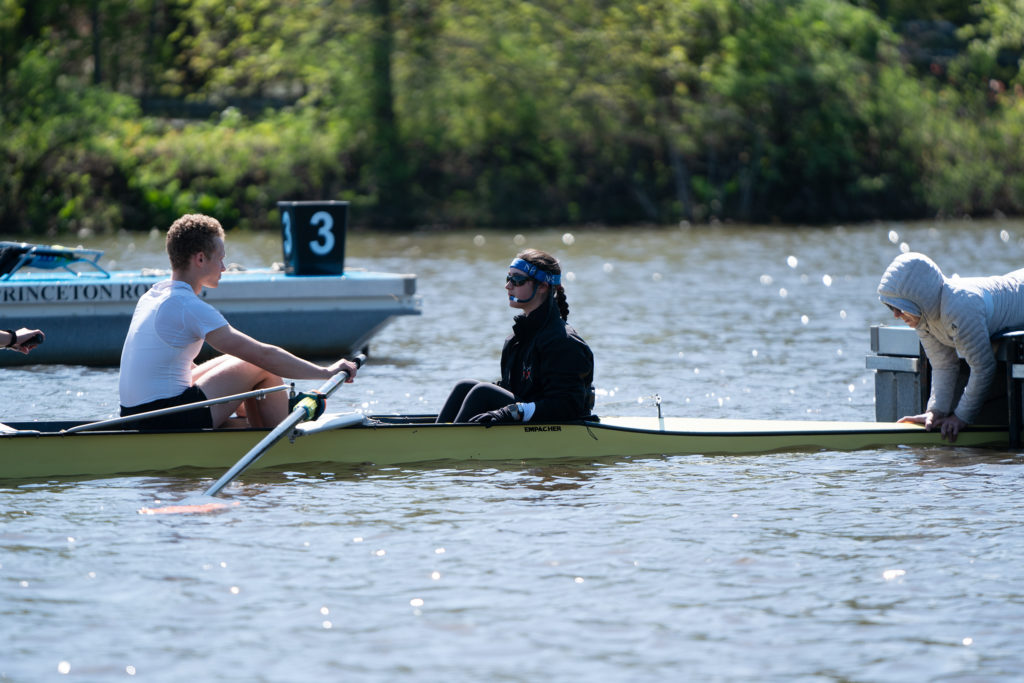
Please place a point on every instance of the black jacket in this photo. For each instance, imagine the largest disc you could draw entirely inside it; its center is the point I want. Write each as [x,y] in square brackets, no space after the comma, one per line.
[545,362]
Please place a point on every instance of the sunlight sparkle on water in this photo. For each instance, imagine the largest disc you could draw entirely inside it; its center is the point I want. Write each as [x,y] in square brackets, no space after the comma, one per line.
[1004,235]
[766,279]
[890,574]
[416,602]
[791,261]
[904,248]
[783,293]
[968,641]
[608,267]
[804,320]
[64,667]
[826,280]
[568,239]
[894,236]
[479,240]
[519,240]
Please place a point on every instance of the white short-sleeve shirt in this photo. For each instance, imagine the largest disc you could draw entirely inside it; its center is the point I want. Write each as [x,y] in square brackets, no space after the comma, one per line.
[166,334]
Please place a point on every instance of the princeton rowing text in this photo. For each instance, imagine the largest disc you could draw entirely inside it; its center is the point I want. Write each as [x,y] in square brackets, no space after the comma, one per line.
[79,292]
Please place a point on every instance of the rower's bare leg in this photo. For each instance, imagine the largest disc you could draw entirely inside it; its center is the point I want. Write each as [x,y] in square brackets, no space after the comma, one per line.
[228,375]
[211,365]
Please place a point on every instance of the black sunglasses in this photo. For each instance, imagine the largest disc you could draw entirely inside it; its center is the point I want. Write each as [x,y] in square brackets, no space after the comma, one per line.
[516,279]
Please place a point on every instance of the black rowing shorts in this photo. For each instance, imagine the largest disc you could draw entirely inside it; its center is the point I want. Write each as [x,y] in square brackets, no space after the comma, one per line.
[197,418]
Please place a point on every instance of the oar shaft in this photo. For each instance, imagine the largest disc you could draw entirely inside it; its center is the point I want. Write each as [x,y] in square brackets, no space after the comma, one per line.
[256,451]
[258,393]
[294,418]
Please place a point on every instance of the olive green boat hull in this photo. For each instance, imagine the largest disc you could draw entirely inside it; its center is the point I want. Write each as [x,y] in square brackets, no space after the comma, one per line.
[44,452]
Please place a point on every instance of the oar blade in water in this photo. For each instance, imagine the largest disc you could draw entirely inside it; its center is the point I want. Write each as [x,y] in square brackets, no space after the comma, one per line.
[186,508]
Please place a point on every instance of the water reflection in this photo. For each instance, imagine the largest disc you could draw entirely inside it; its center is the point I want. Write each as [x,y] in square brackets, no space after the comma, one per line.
[965,457]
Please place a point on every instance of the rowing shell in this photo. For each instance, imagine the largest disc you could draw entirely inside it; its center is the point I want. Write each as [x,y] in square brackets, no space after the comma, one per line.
[39,449]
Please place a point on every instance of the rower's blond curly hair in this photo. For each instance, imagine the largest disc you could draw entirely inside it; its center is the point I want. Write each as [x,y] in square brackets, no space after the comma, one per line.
[189,235]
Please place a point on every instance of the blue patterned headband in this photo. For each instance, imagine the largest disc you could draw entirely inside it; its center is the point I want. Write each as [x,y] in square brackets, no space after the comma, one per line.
[536,273]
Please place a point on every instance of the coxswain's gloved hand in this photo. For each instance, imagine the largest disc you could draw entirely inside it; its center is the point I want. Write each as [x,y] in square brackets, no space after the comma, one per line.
[506,415]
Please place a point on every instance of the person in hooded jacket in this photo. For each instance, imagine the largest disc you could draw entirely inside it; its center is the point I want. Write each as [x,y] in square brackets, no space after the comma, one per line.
[547,370]
[953,316]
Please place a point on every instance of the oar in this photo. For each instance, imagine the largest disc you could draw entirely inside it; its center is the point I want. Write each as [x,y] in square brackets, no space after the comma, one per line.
[304,409]
[257,393]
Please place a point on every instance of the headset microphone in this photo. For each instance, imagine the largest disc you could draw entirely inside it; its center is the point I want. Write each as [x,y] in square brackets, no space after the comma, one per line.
[523,301]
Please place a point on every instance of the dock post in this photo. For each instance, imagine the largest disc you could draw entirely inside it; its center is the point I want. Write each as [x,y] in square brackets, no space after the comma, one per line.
[901,375]
[1010,348]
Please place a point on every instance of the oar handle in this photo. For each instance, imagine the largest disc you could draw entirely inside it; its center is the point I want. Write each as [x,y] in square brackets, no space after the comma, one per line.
[297,415]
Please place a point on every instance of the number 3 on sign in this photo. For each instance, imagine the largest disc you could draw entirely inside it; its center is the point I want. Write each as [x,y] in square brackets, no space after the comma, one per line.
[325,222]
[286,218]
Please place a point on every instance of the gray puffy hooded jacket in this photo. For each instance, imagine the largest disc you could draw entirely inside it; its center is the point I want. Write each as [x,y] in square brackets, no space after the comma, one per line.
[958,316]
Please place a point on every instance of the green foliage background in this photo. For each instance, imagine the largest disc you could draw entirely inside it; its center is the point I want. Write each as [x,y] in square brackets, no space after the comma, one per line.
[123,114]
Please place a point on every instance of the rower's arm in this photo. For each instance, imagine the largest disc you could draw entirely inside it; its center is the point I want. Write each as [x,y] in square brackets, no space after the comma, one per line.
[228,340]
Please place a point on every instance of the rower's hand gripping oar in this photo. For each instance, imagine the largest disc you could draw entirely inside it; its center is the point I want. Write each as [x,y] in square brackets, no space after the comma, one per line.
[305,409]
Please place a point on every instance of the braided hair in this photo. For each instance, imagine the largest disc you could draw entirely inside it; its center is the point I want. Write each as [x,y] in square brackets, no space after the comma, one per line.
[548,264]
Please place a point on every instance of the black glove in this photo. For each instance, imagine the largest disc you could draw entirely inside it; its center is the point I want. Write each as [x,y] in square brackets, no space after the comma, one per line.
[506,415]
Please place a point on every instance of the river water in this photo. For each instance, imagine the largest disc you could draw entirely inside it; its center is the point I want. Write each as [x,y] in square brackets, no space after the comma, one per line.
[880,565]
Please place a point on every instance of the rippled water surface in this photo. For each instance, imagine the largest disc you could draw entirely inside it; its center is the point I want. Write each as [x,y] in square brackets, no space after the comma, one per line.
[882,565]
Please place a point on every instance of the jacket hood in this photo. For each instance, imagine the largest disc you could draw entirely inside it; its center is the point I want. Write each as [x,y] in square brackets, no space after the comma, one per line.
[913,283]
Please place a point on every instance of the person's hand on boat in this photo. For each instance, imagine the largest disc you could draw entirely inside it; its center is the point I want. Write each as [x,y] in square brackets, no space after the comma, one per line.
[948,425]
[344,365]
[24,340]
[927,419]
[506,415]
